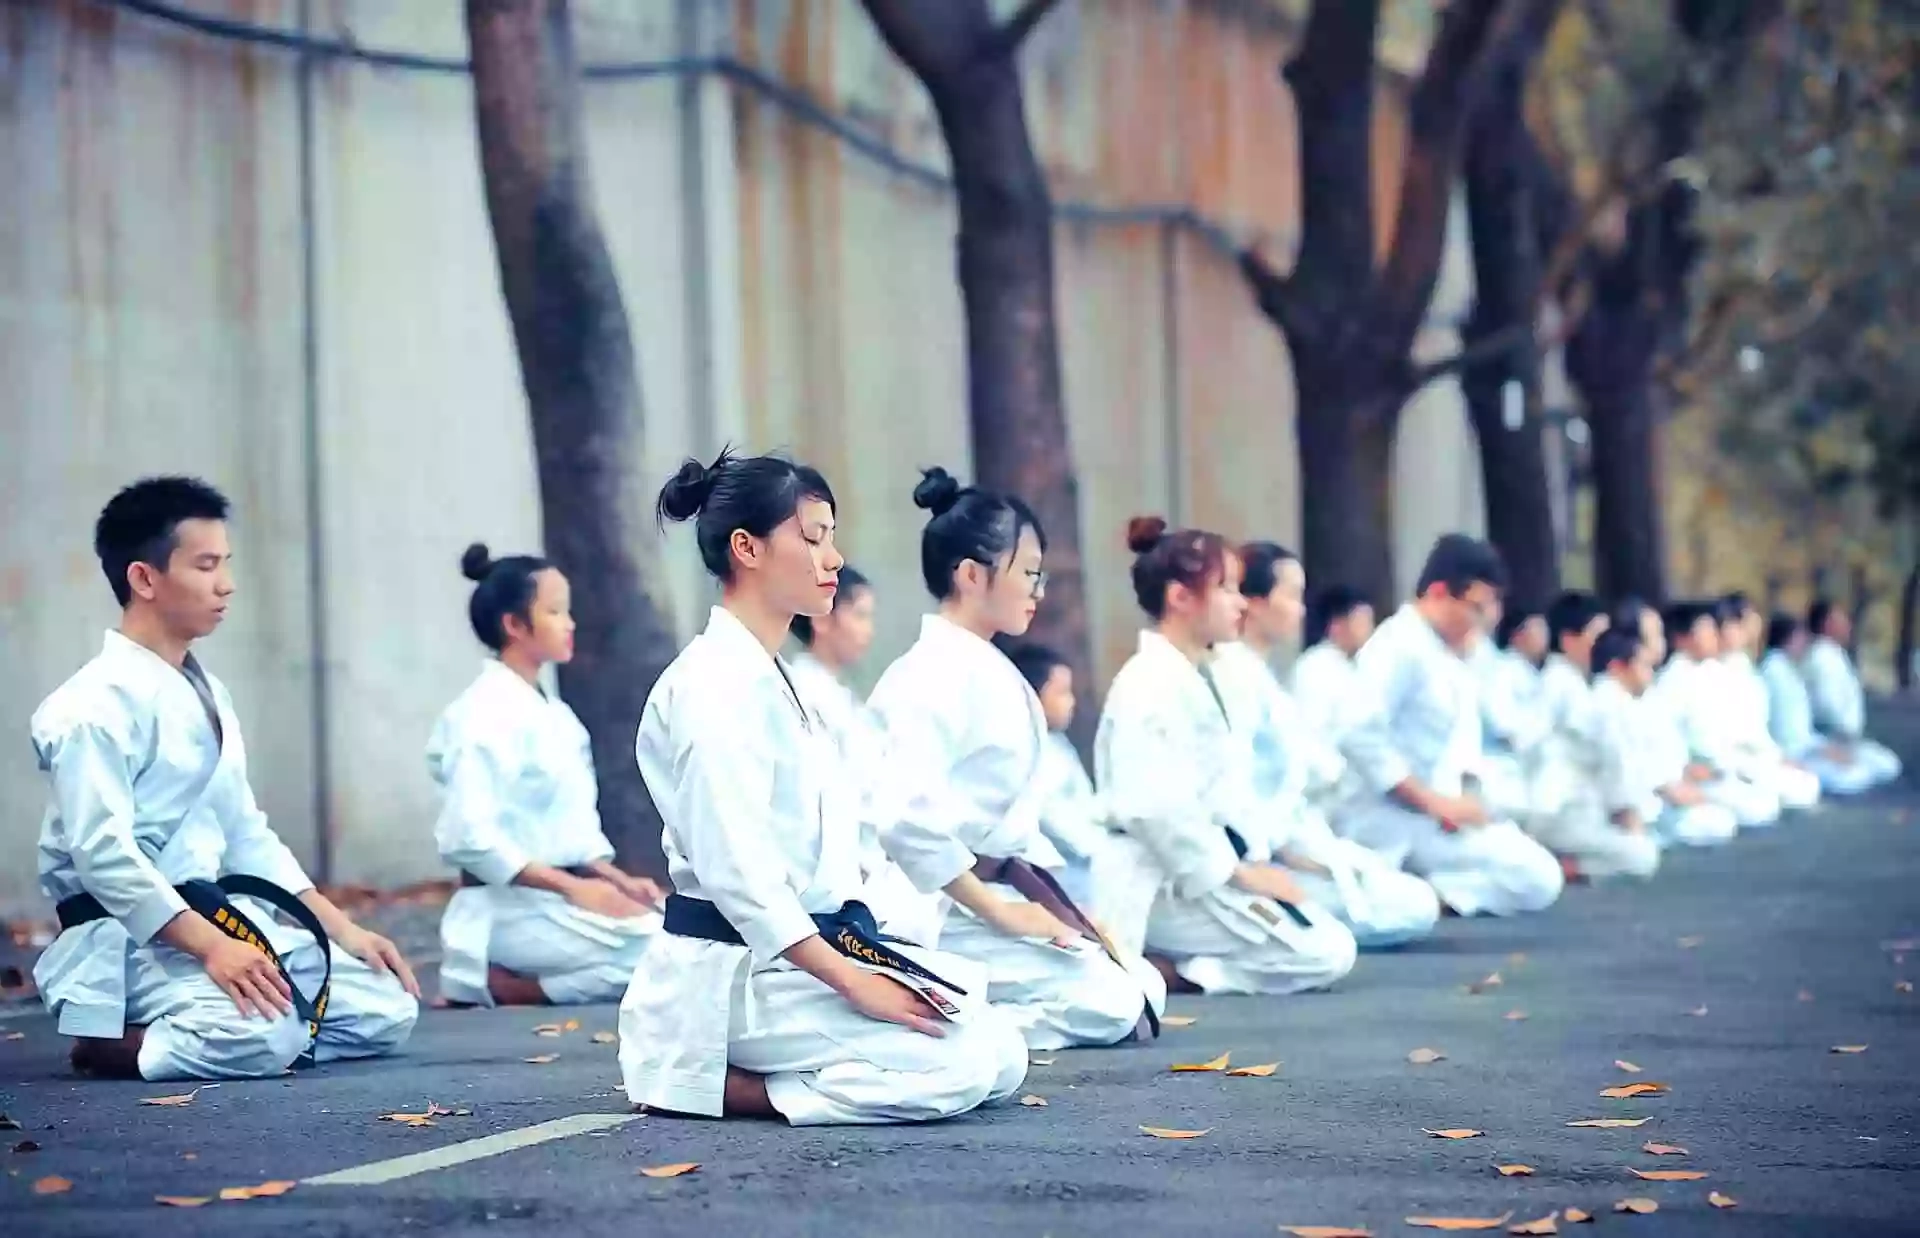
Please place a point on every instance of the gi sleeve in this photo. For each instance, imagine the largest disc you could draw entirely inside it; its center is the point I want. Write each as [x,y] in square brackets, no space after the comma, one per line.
[469,832]
[1156,797]
[922,811]
[1383,673]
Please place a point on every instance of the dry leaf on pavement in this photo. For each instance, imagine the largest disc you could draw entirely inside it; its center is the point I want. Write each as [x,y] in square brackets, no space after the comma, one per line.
[1161,1132]
[1545,1225]
[185,1098]
[571,1025]
[1178,1020]
[1453,1132]
[1698,1012]
[670,1171]
[1255,1072]
[1034,1102]
[541,1060]
[16,1035]
[1515,1171]
[1040,1061]
[26,1145]
[1629,1067]
[1219,1063]
[1492,981]
[548,1029]
[605,1038]
[1515,1016]
[1460,1222]
[8,1124]
[1626,1090]
[1325,1231]
[1688,943]
[1611,1122]
[266,1190]
[1805,995]
[1663,1149]
[1721,1201]
[1574,1216]
[1421,1057]
[183,1201]
[1669,1175]
[1637,1204]
[1848,1049]
[1903,986]
[52,1186]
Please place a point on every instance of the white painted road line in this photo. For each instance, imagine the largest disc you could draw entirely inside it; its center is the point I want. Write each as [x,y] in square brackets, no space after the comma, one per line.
[453,1154]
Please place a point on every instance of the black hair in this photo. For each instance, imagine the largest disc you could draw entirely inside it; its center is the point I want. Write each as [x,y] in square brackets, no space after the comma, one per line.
[1034,661]
[1333,603]
[1512,619]
[1615,645]
[1625,612]
[1738,600]
[1260,567]
[851,582]
[141,524]
[1781,629]
[1163,557]
[757,494]
[1459,562]
[967,524]
[1681,616]
[1572,613]
[501,587]
[1729,609]
[1817,616]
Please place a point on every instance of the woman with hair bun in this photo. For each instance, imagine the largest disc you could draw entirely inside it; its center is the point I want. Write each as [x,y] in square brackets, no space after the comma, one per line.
[542,915]
[965,738]
[1194,869]
[771,991]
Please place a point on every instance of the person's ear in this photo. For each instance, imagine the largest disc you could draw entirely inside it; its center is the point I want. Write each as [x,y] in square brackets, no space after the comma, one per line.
[745,549]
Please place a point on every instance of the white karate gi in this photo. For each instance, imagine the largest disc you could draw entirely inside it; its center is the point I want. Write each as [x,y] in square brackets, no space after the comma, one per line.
[1698,698]
[1515,729]
[515,768]
[1326,686]
[145,796]
[1614,774]
[1176,777]
[760,820]
[1381,904]
[965,735]
[1425,724]
[1790,722]
[1840,707]
[1651,721]
[856,731]
[1072,817]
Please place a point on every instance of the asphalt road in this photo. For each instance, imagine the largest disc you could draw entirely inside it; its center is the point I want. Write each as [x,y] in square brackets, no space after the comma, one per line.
[1730,978]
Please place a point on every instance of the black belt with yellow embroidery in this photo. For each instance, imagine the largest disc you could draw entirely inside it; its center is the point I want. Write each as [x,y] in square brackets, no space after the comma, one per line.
[852,931]
[214,900]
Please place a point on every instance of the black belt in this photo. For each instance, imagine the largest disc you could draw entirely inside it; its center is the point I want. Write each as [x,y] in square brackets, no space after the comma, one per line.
[1239,846]
[852,931]
[214,900]
[468,881]
[1037,885]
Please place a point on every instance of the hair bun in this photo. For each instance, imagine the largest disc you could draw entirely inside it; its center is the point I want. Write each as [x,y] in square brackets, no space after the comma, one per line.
[476,562]
[1144,533]
[937,490]
[686,492]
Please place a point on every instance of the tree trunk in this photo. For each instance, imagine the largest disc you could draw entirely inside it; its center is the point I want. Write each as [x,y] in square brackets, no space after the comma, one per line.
[577,365]
[1629,543]
[1017,416]
[1348,318]
[1904,647]
[1501,168]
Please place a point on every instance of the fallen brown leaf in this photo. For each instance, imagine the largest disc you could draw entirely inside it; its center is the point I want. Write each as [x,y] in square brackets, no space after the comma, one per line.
[26,1145]
[1255,1072]
[185,1098]
[670,1171]
[8,1124]
[1325,1231]
[1721,1201]
[1423,1057]
[1492,981]
[1663,1149]
[52,1186]
[1454,1132]
[1040,1061]
[1460,1222]
[1698,1012]
[1161,1132]
[547,1029]
[189,1156]
[1637,1204]
[1903,986]
[1626,1090]
[183,1201]
[1611,1122]
[1629,1067]
[605,1038]
[1848,1049]
[1219,1063]
[266,1190]
[1575,1216]
[1034,1102]
[1515,1016]
[571,1025]
[16,1035]
[1688,943]
[542,1059]
[1669,1175]
[1545,1225]
[1515,1171]
[1178,1020]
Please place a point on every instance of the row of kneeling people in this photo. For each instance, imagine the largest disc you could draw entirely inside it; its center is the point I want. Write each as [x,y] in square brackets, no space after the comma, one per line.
[879,907]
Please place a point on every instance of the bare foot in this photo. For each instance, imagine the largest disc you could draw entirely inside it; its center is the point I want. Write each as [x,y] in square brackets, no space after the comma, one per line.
[513,989]
[109,1059]
[745,1097]
[1176,983]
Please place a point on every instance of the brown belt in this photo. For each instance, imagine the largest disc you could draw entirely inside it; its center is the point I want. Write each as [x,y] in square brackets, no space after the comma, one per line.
[468,881]
[1037,885]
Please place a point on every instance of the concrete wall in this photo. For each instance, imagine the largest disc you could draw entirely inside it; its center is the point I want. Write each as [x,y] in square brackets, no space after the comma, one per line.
[783,292]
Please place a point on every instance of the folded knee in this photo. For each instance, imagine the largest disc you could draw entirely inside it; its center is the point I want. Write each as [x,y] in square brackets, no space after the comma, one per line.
[222,1045]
